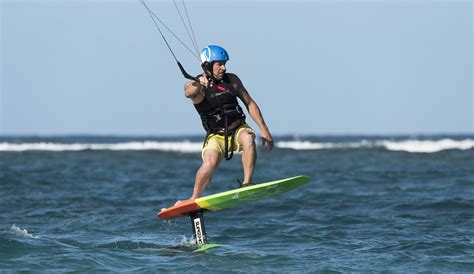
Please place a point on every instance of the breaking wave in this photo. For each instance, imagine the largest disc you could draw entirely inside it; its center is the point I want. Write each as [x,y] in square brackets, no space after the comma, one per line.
[408,145]
[428,146]
[184,146]
[414,146]
[20,232]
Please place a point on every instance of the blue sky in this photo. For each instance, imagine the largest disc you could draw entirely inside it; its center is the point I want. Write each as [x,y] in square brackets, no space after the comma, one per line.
[314,67]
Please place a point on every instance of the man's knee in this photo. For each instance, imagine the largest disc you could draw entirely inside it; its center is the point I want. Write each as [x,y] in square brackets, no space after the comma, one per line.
[247,140]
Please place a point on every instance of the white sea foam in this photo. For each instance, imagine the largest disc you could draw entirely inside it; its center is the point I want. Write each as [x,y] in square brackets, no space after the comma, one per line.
[20,232]
[307,145]
[428,146]
[184,146]
[185,241]
[301,145]
[414,146]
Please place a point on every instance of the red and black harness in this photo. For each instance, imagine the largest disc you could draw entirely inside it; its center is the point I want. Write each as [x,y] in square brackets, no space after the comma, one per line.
[218,110]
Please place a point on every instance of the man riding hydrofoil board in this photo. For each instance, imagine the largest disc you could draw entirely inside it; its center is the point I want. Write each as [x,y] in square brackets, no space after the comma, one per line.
[215,98]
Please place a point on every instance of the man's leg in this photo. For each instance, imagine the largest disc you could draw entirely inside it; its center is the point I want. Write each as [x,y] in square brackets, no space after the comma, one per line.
[246,141]
[204,174]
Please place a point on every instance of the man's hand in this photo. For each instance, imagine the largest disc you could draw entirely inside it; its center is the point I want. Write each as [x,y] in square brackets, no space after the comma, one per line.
[203,81]
[267,140]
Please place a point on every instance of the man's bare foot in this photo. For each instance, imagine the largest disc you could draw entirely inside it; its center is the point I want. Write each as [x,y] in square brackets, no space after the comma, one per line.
[182,201]
[178,203]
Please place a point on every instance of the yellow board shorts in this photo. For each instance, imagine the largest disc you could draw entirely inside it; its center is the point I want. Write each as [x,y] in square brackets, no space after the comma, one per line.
[216,141]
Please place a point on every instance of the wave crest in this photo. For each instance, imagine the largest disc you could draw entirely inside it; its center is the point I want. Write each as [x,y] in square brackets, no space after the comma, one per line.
[20,232]
[184,146]
[413,146]
[428,146]
[408,145]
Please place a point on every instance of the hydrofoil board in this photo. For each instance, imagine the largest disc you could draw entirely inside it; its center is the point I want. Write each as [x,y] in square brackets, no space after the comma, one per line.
[232,198]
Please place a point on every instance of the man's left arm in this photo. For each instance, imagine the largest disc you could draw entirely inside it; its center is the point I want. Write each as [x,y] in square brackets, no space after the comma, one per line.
[254,111]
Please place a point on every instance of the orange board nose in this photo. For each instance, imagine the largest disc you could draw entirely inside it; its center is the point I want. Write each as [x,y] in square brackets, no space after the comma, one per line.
[179,210]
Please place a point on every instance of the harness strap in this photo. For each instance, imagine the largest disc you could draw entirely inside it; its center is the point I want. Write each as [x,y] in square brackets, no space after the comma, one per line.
[226,142]
[228,153]
[226,109]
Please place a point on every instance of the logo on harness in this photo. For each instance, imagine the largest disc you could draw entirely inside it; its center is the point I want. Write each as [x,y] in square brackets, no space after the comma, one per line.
[221,89]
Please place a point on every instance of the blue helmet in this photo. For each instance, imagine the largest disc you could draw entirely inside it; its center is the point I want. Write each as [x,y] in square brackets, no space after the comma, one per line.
[213,53]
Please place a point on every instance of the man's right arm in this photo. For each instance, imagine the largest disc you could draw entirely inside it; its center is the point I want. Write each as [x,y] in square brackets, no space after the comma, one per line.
[191,89]
[195,90]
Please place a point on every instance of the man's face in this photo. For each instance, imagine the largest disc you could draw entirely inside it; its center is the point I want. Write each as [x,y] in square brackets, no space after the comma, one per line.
[218,69]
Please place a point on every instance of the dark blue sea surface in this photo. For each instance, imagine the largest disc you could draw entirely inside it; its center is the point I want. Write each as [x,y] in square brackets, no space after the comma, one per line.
[401,203]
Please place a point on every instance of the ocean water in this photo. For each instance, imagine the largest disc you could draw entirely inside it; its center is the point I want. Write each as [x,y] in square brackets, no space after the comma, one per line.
[88,203]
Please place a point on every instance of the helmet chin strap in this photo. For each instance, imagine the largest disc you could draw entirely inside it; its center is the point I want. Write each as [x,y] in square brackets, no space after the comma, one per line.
[207,67]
